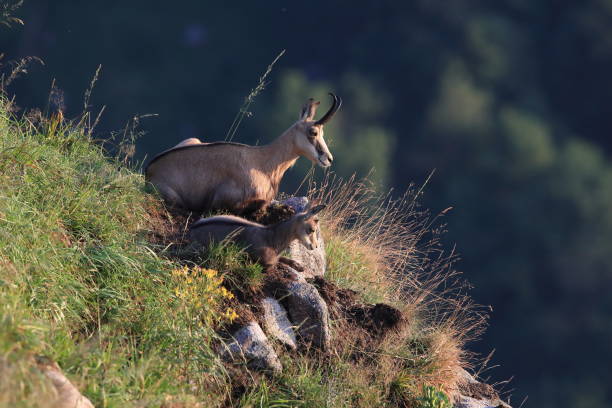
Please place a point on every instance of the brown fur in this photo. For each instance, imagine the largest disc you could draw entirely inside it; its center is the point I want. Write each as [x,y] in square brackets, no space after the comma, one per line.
[264,244]
[231,176]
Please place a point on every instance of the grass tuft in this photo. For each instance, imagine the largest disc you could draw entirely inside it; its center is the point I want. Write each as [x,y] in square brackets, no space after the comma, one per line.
[388,250]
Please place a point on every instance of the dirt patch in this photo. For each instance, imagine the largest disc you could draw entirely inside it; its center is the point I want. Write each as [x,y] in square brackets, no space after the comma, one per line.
[338,299]
[276,281]
[167,226]
[241,381]
[377,319]
[246,313]
[272,214]
[360,326]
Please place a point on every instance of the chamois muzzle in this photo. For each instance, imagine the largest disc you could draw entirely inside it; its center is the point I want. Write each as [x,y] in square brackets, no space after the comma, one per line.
[324,156]
[332,111]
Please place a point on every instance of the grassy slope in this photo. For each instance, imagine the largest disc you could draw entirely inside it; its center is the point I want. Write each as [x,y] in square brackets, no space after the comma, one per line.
[79,283]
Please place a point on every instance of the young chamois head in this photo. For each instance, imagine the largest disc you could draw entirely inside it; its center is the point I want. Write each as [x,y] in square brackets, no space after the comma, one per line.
[308,134]
[305,227]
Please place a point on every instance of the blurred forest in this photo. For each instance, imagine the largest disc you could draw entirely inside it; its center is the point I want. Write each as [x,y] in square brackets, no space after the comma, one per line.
[508,100]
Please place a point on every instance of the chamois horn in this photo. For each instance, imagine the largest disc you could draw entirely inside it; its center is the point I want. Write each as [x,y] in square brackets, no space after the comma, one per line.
[330,113]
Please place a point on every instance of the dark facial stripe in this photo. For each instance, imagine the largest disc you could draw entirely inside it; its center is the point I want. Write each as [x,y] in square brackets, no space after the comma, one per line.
[318,148]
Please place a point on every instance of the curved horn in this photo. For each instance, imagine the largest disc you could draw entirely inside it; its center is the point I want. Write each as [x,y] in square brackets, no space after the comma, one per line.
[330,113]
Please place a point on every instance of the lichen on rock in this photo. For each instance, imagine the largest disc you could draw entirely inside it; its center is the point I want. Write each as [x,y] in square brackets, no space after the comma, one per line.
[277,323]
[250,344]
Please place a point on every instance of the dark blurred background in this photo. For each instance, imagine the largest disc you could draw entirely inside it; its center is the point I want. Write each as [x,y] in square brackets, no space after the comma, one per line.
[509,101]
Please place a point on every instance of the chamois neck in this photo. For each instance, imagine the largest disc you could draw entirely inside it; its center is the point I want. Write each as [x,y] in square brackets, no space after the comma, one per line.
[279,156]
[281,235]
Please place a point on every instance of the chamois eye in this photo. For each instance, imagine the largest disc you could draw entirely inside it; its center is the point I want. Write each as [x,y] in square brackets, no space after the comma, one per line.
[312,133]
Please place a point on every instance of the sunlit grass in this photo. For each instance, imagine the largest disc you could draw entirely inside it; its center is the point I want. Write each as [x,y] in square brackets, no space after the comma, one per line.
[77,283]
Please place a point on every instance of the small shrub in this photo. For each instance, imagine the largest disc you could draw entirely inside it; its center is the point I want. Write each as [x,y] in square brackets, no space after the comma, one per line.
[199,296]
[433,398]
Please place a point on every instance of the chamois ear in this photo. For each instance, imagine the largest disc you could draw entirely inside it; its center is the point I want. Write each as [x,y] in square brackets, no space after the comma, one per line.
[309,110]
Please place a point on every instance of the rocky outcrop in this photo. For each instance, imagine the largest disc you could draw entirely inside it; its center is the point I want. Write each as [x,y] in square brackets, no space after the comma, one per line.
[313,261]
[66,394]
[249,344]
[308,312]
[299,204]
[277,324]
[469,402]
[471,393]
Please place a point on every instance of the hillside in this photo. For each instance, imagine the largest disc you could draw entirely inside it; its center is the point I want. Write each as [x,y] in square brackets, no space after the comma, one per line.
[95,277]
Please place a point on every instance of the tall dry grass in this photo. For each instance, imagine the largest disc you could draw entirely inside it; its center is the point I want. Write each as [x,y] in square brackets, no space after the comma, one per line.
[386,246]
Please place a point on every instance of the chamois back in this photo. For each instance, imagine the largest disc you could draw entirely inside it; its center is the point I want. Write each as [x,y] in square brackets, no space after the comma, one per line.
[225,220]
[180,147]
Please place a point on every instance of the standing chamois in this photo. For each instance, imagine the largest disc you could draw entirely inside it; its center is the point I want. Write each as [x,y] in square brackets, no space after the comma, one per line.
[200,176]
[264,244]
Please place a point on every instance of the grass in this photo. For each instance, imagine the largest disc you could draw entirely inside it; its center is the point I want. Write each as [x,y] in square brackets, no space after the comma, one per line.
[79,283]
[133,324]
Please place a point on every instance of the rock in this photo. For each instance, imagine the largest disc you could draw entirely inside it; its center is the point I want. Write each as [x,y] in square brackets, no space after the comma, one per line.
[250,344]
[277,324]
[468,402]
[314,261]
[308,312]
[68,396]
[299,204]
[474,394]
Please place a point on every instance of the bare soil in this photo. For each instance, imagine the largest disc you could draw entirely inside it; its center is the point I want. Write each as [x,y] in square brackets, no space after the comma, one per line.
[272,214]
[360,326]
[168,226]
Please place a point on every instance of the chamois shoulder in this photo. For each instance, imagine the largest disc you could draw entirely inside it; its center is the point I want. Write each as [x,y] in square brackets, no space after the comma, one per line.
[225,220]
[178,148]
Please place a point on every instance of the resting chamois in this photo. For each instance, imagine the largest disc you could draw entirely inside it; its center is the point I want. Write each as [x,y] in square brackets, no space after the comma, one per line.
[264,244]
[230,176]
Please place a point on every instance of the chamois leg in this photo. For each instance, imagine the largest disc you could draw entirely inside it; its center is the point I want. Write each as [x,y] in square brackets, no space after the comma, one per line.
[266,257]
[227,196]
[290,262]
[171,197]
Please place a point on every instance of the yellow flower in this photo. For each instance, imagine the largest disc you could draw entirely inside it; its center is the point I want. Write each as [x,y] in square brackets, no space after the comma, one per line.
[226,293]
[230,314]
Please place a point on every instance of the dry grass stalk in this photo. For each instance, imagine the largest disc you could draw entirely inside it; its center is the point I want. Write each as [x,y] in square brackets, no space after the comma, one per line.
[400,244]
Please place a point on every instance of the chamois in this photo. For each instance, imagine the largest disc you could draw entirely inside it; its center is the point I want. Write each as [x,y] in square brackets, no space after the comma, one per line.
[200,176]
[264,244]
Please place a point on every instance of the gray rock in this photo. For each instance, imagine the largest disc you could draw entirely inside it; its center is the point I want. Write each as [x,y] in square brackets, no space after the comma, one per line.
[299,204]
[67,395]
[314,261]
[251,345]
[468,402]
[308,312]
[472,393]
[277,324]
